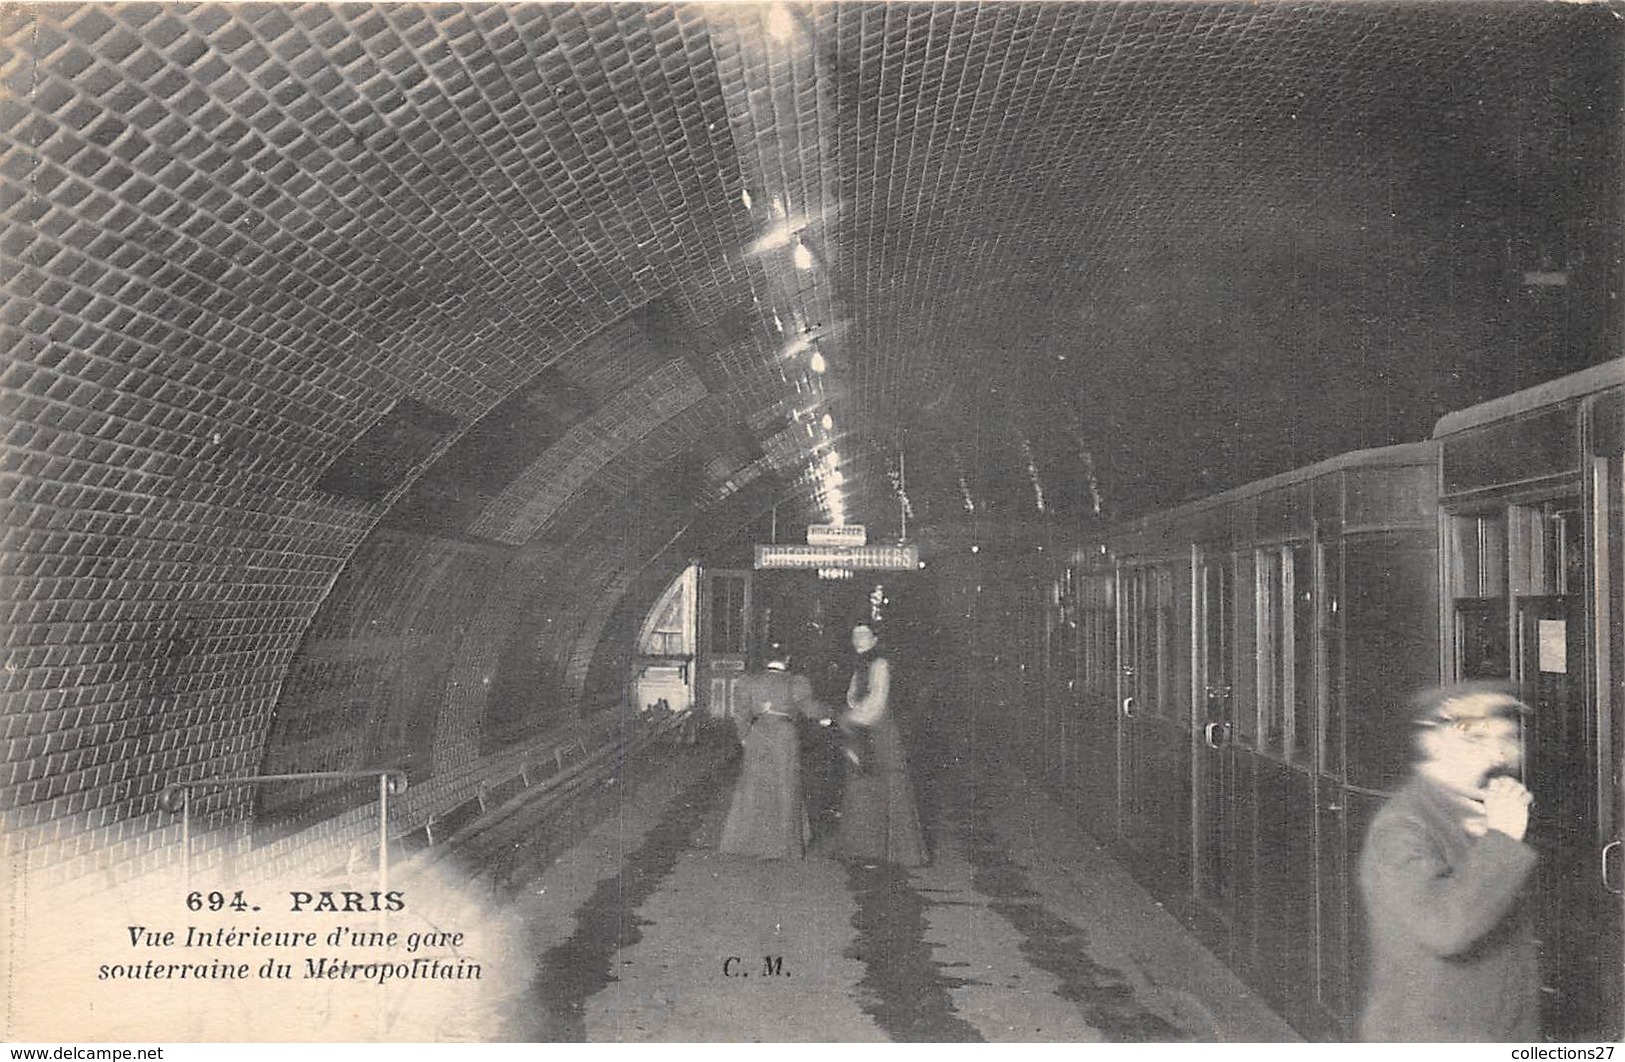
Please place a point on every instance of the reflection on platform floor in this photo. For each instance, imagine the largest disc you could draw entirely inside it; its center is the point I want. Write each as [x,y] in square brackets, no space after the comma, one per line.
[1021,929]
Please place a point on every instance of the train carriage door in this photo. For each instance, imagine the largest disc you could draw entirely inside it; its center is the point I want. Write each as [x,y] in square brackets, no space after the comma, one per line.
[1095,772]
[1214,767]
[1607,552]
[1131,593]
[1608,567]
[1561,742]
[1152,772]
[1563,822]
[724,637]
[1154,725]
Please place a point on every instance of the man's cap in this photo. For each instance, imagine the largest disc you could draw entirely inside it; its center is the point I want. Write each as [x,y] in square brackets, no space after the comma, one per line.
[1467,700]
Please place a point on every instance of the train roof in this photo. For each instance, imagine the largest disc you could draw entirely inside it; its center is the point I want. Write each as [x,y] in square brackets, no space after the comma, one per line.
[1598,377]
[1402,454]
[1575,385]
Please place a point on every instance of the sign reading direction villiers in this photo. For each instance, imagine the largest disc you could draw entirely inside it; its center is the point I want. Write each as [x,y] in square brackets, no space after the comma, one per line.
[854,558]
[837,535]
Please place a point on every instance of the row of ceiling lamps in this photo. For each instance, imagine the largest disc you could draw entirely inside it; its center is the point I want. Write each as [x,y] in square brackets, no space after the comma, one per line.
[826,472]
[787,232]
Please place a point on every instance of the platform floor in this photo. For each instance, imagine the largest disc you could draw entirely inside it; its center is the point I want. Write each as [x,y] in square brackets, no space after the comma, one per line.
[1022,929]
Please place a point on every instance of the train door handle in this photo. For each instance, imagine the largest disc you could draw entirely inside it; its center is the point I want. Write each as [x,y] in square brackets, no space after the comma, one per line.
[1607,878]
[1216,734]
[1128,707]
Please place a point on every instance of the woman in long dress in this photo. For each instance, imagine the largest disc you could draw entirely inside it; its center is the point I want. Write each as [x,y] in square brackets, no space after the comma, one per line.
[879,821]
[768,817]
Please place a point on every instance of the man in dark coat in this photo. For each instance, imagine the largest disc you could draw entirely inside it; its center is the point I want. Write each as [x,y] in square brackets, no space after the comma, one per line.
[1443,874]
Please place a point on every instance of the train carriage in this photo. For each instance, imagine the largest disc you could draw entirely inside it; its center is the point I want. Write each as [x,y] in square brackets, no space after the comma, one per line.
[1263,643]
[1530,540]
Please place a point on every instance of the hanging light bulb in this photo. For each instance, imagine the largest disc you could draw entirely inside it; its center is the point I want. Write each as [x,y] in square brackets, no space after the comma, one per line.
[818,362]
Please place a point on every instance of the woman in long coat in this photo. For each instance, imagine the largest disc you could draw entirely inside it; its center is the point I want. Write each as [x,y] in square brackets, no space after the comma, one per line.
[768,817]
[879,820]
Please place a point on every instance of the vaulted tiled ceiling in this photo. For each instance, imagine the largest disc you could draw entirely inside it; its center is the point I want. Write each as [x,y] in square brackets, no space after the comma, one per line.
[498,257]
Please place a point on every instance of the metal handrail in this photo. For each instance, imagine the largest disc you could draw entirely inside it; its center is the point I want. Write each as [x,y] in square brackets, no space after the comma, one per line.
[177,797]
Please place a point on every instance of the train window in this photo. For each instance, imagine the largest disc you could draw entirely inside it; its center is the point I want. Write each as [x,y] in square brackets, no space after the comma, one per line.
[1149,658]
[1244,698]
[1064,630]
[1330,670]
[1129,632]
[1217,622]
[1094,617]
[1270,627]
[1166,657]
[1098,655]
[1285,624]
[1298,730]
[1478,585]
[727,614]
[1149,617]
[1544,551]
[1478,544]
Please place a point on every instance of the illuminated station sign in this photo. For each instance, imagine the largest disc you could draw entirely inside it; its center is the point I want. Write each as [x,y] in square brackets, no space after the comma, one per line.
[848,558]
[837,535]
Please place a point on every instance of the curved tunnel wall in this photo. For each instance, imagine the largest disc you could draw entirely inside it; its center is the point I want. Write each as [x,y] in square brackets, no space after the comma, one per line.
[453,659]
[178,616]
[388,648]
[431,653]
[218,285]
